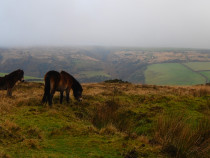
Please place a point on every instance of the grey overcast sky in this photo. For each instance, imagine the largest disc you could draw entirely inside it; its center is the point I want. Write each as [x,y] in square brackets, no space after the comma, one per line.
[143,23]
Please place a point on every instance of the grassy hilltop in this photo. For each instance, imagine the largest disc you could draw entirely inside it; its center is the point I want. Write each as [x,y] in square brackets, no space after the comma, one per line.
[114,120]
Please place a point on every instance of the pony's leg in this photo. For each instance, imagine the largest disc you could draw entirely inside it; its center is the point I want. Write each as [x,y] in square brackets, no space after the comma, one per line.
[51,97]
[9,92]
[67,96]
[44,99]
[61,97]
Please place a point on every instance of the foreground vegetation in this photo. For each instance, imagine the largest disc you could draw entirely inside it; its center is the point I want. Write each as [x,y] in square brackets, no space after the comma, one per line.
[114,120]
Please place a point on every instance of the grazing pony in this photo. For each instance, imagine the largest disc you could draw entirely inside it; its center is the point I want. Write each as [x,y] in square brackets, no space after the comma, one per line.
[8,81]
[55,81]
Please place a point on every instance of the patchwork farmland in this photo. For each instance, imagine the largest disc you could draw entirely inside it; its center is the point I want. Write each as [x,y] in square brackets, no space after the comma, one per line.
[178,74]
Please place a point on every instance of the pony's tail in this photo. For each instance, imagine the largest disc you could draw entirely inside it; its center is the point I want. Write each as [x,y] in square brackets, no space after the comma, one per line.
[46,96]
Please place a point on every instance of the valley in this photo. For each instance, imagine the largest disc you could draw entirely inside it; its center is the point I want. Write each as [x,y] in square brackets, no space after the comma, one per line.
[97,64]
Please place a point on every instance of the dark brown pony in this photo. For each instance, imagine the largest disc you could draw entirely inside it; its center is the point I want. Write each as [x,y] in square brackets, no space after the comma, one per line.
[8,81]
[55,81]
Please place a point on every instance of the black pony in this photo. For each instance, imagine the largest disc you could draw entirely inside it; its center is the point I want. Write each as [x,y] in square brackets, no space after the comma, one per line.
[8,81]
[55,81]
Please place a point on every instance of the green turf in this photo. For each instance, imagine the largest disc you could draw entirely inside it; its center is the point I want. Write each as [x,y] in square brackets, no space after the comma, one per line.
[72,142]
[199,66]
[171,74]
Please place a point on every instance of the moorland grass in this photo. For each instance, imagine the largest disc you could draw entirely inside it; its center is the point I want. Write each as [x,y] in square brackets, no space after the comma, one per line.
[114,120]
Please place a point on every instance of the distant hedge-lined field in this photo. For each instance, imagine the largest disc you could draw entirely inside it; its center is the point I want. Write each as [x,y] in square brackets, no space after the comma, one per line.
[175,74]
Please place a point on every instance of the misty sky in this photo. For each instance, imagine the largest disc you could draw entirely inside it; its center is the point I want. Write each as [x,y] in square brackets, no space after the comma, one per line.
[142,23]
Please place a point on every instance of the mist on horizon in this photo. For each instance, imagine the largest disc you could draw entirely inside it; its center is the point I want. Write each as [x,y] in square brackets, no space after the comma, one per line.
[139,23]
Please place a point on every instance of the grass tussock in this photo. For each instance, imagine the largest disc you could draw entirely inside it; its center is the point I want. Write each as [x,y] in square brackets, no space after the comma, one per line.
[31,144]
[179,139]
[35,132]
[108,130]
[105,114]
[10,133]
[4,155]
[61,131]
[131,154]
[201,91]
[7,104]
[9,125]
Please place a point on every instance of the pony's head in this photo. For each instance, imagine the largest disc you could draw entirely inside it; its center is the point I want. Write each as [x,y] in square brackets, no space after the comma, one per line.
[20,75]
[77,90]
[78,95]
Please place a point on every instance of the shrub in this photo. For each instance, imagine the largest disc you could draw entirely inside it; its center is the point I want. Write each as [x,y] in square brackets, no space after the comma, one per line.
[34,132]
[116,81]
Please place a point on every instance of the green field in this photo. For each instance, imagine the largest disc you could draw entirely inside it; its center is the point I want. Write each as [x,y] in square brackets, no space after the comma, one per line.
[198,66]
[206,73]
[2,74]
[171,74]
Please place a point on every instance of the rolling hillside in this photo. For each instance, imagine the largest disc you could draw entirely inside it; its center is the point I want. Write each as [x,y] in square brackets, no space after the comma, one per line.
[96,64]
[114,120]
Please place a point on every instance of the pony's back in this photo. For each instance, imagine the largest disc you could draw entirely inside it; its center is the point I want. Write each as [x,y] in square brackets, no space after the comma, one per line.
[52,75]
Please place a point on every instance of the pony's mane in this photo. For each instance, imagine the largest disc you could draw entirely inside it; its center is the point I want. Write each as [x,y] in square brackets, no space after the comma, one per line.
[76,86]
[14,73]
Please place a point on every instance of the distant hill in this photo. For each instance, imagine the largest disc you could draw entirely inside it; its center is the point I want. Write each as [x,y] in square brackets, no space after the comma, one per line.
[96,64]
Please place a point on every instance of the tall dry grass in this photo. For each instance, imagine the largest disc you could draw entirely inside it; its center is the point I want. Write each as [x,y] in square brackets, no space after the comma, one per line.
[105,114]
[179,139]
[23,93]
